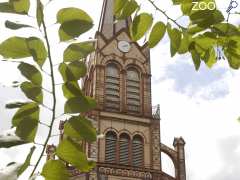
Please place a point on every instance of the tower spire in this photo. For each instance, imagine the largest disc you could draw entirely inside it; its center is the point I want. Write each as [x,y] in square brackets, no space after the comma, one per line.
[107,26]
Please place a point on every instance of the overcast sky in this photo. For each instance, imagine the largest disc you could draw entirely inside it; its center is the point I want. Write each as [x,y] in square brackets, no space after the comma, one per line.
[200,106]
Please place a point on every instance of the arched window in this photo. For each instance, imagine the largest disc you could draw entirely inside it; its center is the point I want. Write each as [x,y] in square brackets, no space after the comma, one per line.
[112,88]
[133,90]
[124,149]
[137,151]
[110,147]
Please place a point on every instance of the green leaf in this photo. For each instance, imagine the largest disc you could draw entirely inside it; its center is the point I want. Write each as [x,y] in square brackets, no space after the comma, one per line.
[71,89]
[140,25]
[124,9]
[206,18]
[14,105]
[15,48]
[175,39]
[30,110]
[15,6]
[225,29]
[183,48]
[37,50]
[32,91]
[69,14]
[233,56]
[55,170]
[20,6]
[203,43]
[186,7]
[6,8]
[210,57]
[39,13]
[177,2]
[196,59]
[72,29]
[74,22]
[194,29]
[77,51]
[79,105]
[27,129]
[72,72]
[15,26]
[27,161]
[73,153]
[118,5]
[31,73]
[80,128]
[156,34]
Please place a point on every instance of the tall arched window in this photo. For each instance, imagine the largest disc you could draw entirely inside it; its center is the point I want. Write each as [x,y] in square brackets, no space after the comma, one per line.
[137,151]
[124,149]
[133,90]
[112,87]
[110,147]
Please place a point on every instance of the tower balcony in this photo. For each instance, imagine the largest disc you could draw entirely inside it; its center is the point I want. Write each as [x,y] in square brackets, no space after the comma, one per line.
[156,112]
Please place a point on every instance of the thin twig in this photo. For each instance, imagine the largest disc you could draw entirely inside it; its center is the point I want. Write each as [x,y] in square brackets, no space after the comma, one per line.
[44,124]
[50,92]
[164,13]
[45,106]
[53,96]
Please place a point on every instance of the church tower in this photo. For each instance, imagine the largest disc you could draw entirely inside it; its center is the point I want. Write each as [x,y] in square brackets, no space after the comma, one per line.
[119,78]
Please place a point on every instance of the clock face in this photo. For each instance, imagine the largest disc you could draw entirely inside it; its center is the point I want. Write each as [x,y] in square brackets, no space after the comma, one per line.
[124,46]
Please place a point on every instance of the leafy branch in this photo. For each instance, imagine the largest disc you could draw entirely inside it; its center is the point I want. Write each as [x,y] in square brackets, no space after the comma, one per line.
[26,119]
[53,91]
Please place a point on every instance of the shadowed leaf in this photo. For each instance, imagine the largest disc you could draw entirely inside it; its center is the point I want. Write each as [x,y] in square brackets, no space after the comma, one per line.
[15,48]
[15,105]
[39,13]
[30,110]
[27,161]
[72,29]
[71,89]
[27,129]
[31,73]
[80,128]
[73,71]
[77,51]
[79,104]
[73,153]
[55,170]
[156,34]
[15,26]
[37,50]
[140,25]
[32,91]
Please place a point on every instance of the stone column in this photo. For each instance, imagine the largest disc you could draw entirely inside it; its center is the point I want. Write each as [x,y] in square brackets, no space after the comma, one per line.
[179,144]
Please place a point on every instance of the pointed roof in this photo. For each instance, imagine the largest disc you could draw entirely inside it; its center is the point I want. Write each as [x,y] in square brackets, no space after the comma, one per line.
[107,26]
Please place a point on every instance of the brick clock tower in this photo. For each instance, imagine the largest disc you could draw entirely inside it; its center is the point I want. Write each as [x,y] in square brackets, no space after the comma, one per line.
[119,78]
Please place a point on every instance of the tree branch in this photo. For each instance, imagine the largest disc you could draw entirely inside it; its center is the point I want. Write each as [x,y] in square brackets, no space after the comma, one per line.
[164,13]
[53,96]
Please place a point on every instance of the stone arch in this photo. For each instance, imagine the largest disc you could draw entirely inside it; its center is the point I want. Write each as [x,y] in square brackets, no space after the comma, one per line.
[135,63]
[140,134]
[124,144]
[168,165]
[111,140]
[125,131]
[171,154]
[113,58]
[110,129]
